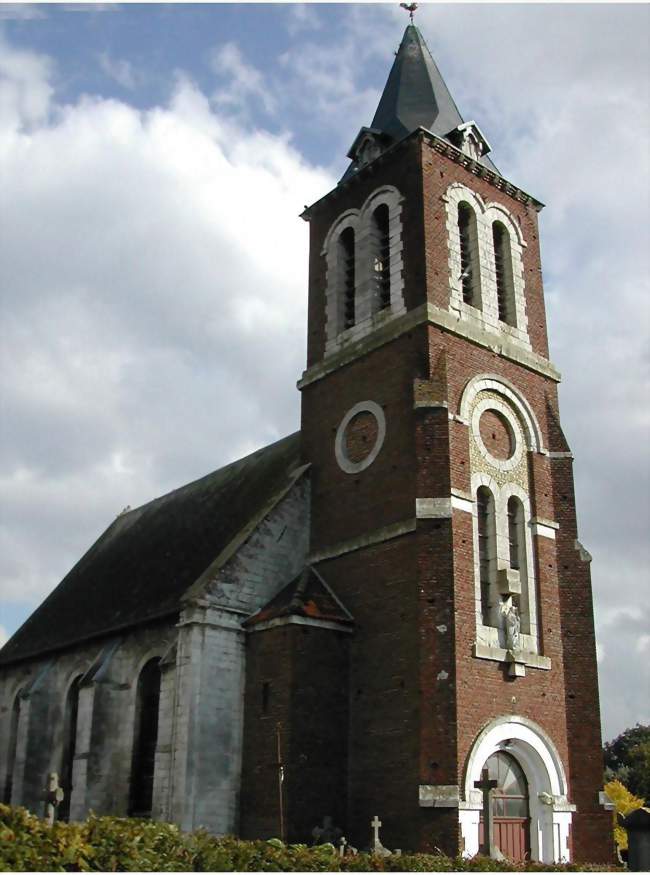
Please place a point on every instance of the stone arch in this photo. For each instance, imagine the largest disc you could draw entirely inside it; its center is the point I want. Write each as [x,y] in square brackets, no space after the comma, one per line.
[502,386]
[147,688]
[536,753]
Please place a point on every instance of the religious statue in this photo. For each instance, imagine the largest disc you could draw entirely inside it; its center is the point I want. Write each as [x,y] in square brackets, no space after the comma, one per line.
[512,624]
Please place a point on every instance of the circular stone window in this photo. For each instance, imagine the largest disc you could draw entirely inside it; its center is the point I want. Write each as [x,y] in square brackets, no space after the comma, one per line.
[498,433]
[360,436]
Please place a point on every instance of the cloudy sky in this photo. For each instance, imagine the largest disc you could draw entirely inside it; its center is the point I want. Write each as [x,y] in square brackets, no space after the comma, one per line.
[153,163]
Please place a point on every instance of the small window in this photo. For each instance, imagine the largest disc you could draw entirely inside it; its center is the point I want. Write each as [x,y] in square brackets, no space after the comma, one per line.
[486,551]
[503,271]
[380,247]
[469,264]
[347,280]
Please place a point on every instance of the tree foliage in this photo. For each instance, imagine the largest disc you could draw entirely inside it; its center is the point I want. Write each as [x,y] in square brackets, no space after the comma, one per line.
[624,803]
[627,759]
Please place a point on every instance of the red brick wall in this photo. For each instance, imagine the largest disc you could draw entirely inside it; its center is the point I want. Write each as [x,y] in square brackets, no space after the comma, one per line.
[418,696]
[306,669]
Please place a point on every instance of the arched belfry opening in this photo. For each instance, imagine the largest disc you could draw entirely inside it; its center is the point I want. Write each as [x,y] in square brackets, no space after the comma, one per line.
[510,807]
[145,739]
[69,746]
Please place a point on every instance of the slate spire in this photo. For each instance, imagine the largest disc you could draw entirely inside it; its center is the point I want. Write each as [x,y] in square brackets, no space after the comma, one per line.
[415,96]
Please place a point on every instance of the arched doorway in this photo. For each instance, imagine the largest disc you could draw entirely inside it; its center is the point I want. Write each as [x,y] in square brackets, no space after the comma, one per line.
[145,740]
[549,811]
[510,807]
[69,747]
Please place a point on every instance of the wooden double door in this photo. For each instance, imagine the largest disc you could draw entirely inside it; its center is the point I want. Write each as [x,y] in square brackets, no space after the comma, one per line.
[510,809]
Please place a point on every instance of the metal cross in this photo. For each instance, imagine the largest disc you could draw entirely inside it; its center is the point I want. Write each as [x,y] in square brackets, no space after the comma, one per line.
[410,8]
[485,785]
[53,797]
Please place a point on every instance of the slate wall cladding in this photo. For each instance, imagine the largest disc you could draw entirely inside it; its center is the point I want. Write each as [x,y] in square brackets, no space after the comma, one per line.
[198,755]
[413,598]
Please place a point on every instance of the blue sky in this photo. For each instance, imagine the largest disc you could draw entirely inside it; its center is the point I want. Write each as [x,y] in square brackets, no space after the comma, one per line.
[154,161]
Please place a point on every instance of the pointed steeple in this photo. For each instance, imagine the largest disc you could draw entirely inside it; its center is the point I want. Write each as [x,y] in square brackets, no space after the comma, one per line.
[416,96]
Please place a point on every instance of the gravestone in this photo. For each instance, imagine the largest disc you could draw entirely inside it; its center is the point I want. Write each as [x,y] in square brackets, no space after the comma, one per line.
[637,824]
[53,797]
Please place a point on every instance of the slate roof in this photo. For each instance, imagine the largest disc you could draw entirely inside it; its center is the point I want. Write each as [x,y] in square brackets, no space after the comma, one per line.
[415,96]
[308,595]
[147,558]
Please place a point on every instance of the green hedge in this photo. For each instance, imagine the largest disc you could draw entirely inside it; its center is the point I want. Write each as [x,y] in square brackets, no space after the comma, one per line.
[114,844]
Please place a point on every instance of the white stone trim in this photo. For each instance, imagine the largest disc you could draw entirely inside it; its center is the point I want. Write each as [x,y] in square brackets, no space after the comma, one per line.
[486,314]
[378,536]
[550,811]
[438,795]
[493,636]
[544,528]
[441,508]
[339,444]
[300,621]
[367,316]
[495,383]
[428,313]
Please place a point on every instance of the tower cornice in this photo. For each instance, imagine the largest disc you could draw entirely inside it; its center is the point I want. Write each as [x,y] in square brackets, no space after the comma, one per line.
[442,147]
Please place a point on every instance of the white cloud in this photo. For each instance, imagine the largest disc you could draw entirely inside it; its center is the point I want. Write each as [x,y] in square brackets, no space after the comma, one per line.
[25,90]
[119,69]
[153,327]
[244,81]
[3,636]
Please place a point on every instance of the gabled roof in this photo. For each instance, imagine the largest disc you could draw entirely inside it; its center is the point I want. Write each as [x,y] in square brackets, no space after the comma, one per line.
[307,595]
[415,96]
[146,560]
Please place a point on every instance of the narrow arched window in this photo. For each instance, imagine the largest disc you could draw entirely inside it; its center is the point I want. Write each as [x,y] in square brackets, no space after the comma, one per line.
[346,275]
[11,749]
[503,271]
[515,531]
[469,263]
[145,740]
[380,255]
[70,720]
[486,551]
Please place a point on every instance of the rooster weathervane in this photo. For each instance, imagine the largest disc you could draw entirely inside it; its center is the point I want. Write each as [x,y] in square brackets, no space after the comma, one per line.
[410,8]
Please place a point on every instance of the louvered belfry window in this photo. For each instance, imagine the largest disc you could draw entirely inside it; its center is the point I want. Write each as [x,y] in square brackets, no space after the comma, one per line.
[503,271]
[380,241]
[347,279]
[468,253]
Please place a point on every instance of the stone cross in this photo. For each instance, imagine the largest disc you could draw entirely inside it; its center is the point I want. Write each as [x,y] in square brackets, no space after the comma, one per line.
[485,785]
[53,797]
[375,823]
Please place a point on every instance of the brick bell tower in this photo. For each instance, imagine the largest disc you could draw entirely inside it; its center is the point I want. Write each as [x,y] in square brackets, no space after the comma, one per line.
[442,509]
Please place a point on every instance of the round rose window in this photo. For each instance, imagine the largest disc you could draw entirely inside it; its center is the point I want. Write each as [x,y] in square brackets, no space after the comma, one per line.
[360,436]
[496,434]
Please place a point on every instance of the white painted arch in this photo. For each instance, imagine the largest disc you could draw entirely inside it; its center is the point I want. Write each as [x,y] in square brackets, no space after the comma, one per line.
[534,750]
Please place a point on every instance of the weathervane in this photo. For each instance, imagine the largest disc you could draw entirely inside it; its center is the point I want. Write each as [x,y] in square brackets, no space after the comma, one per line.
[410,8]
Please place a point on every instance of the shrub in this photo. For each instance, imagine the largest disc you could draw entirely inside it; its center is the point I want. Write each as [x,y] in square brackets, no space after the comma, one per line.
[117,844]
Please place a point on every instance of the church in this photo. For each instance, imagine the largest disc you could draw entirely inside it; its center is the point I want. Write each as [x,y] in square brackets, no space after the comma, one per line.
[383,613]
